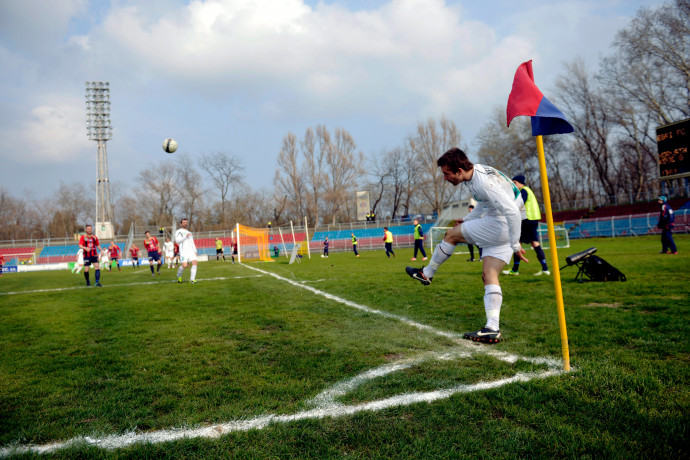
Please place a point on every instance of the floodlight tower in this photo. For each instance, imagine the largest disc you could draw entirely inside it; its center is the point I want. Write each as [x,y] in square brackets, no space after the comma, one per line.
[98,129]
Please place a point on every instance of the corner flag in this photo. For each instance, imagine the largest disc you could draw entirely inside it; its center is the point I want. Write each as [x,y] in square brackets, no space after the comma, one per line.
[526,99]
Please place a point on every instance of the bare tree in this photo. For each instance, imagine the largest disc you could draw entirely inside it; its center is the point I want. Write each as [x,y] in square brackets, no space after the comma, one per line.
[345,167]
[225,172]
[428,144]
[590,112]
[315,145]
[158,193]
[190,188]
[650,67]
[289,179]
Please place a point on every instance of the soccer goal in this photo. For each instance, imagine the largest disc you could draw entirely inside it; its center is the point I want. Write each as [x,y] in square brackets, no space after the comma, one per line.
[26,258]
[436,236]
[252,244]
[562,238]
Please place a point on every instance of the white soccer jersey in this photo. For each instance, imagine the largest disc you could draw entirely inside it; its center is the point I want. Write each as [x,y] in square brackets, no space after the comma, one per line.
[168,248]
[186,242]
[80,256]
[497,196]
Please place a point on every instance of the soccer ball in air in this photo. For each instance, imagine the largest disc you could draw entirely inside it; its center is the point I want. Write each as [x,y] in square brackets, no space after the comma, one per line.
[170,145]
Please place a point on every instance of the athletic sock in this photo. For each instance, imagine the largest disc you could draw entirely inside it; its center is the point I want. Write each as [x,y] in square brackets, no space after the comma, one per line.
[442,253]
[516,263]
[151,267]
[179,271]
[98,276]
[86,276]
[541,257]
[192,275]
[493,298]
[158,269]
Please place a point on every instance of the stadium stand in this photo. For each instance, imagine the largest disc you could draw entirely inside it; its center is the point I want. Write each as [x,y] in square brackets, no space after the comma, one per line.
[64,253]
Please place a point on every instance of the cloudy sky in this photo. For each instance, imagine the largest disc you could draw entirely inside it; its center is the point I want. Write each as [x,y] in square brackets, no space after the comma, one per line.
[236,76]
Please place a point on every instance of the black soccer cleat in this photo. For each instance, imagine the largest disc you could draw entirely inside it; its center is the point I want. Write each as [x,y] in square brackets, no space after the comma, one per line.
[98,284]
[418,274]
[485,335]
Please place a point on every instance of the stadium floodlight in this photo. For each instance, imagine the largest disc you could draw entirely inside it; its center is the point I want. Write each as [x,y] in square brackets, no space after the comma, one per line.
[98,129]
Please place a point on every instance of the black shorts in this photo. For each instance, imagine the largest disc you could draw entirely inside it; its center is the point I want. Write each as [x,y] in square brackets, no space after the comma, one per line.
[153,255]
[528,231]
[88,260]
[219,251]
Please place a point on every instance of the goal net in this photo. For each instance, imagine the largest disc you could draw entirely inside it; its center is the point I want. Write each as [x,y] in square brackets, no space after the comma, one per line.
[252,244]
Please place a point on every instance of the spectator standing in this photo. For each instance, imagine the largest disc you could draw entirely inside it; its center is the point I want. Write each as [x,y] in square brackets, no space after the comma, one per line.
[666,220]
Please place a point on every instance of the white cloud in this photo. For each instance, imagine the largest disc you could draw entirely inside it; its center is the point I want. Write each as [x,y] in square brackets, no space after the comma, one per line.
[36,25]
[48,134]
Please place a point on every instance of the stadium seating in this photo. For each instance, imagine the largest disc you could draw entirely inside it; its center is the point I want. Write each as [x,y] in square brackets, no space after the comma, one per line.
[64,253]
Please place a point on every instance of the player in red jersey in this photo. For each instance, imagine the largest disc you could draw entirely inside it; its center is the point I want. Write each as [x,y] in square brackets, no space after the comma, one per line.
[153,248]
[134,253]
[89,243]
[176,254]
[114,250]
[2,262]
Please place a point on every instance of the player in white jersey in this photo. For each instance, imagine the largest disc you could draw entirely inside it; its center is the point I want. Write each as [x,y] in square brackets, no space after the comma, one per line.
[80,261]
[493,225]
[105,260]
[169,251]
[184,239]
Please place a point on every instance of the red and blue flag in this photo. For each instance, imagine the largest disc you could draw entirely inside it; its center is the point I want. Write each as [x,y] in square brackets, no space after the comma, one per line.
[526,100]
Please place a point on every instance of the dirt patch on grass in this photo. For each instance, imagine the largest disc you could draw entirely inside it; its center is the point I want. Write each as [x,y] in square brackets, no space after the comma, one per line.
[607,305]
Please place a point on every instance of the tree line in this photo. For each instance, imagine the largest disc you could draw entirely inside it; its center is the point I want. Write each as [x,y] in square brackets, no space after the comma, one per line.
[643,83]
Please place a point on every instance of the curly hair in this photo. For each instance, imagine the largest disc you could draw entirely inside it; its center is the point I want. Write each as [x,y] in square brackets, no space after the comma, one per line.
[456,160]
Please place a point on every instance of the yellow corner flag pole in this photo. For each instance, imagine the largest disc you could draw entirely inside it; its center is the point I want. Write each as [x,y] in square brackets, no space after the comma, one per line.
[554,253]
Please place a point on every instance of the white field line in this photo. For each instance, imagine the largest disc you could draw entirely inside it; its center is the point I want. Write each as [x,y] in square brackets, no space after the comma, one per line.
[325,404]
[71,288]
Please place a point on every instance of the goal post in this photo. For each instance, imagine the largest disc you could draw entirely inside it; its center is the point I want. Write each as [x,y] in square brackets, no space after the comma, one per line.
[252,244]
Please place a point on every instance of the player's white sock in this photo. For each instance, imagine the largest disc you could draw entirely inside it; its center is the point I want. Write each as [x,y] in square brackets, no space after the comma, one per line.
[442,253]
[192,275]
[493,298]
[179,271]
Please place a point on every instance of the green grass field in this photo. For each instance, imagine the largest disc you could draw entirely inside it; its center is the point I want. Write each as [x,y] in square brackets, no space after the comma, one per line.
[348,357]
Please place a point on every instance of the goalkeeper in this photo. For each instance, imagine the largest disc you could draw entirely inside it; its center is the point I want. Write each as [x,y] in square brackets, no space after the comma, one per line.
[494,226]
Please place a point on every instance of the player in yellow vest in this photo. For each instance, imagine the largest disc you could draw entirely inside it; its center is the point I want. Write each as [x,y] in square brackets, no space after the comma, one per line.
[418,240]
[528,231]
[354,244]
[388,240]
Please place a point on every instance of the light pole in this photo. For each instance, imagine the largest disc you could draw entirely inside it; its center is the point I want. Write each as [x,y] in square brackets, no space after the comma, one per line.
[98,129]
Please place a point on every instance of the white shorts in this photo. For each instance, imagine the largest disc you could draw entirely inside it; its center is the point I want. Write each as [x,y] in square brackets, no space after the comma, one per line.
[491,234]
[187,256]
[168,255]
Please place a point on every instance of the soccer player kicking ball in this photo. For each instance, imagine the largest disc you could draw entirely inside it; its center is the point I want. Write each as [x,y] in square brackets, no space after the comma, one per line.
[494,226]
[188,253]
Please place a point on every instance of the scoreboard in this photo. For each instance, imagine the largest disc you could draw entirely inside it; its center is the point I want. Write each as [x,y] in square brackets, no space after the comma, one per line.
[673,142]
